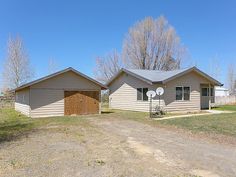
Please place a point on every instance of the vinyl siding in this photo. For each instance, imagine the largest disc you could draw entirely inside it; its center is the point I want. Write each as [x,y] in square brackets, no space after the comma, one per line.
[47,97]
[22,102]
[67,81]
[123,93]
[192,80]
[46,102]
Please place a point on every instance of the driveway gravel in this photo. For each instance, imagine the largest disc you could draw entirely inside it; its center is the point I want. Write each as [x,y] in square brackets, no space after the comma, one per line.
[114,147]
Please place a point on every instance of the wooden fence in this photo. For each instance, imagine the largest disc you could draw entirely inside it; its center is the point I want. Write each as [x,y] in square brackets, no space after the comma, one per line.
[222,100]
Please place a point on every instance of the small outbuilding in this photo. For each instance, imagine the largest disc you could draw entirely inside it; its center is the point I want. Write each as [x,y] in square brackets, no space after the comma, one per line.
[67,92]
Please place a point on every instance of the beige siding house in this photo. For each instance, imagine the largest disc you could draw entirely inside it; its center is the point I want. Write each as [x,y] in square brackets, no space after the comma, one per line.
[67,92]
[184,90]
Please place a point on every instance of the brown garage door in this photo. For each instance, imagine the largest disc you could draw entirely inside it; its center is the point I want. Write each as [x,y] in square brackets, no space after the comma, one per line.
[81,102]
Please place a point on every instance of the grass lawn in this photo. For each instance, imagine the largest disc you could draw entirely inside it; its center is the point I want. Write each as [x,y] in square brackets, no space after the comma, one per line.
[226,108]
[13,124]
[217,124]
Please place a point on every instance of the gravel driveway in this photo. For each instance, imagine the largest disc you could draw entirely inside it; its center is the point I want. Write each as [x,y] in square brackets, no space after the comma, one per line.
[113,147]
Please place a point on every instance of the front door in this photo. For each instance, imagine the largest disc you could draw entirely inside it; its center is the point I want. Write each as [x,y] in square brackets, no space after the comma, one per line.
[205,97]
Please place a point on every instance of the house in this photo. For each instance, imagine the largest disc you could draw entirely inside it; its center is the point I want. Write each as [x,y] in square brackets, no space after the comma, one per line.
[221,91]
[67,92]
[184,89]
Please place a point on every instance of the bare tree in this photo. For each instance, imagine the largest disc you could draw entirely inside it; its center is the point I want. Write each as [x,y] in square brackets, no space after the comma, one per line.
[215,68]
[52,66]
[153,44]
[17,69]
[232,78]
[107,66]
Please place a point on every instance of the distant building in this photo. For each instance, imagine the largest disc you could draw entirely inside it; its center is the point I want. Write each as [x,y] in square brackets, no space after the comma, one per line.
[221,91]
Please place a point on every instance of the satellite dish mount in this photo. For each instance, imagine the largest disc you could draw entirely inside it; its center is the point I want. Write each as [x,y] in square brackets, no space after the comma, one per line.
[159,91]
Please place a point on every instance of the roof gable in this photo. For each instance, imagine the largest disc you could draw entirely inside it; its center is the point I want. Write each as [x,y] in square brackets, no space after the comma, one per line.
[59,73]
[156,76]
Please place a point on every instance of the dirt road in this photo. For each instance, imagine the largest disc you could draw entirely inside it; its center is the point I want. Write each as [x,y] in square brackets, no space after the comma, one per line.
[113,147]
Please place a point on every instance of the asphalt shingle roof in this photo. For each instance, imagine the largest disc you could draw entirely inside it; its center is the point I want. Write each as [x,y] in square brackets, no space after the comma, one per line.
[156,75]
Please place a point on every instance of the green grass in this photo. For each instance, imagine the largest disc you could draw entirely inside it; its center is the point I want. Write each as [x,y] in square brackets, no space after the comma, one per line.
[217,124]
[226,108]
[14,124]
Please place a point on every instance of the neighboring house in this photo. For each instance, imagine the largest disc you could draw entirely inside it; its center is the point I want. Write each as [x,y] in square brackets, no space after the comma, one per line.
[221,91]
[67,92]
[184,89]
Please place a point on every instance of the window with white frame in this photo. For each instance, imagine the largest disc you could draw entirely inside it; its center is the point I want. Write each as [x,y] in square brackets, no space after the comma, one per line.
[141,94]
[182,93]
[205,91]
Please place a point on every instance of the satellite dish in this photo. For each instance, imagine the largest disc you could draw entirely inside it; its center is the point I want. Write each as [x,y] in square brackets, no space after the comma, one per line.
[159,91]
[151,94]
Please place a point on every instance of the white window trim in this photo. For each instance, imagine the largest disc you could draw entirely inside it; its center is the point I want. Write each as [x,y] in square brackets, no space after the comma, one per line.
[208,91]
[183,93]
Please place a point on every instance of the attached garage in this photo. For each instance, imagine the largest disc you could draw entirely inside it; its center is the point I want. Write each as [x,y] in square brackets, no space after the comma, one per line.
[67,92]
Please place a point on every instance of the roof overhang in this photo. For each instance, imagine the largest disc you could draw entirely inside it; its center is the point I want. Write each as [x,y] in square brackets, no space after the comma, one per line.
[103,87]
[130,73]
[211,79]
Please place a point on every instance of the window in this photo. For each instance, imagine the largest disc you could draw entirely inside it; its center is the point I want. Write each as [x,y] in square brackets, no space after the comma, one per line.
[179,91]
[186,93]
[205,91]
[182,93]
[139,93]
[142,94]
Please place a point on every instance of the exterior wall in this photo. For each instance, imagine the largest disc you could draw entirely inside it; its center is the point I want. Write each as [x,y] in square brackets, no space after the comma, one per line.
[47,97]
[67,81]
[123,93]
[192,80]
[22,102]
[46,102]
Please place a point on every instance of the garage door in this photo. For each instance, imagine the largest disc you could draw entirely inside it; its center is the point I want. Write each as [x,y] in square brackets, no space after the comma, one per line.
[81,102]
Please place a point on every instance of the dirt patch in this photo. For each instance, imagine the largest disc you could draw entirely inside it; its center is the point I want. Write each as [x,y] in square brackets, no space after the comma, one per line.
[204,173]
[108,147]
[76,151]
[147,150]
[176,150]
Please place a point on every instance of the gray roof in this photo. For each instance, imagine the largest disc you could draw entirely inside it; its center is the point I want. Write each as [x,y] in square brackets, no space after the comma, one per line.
[157,76]
[58,73]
